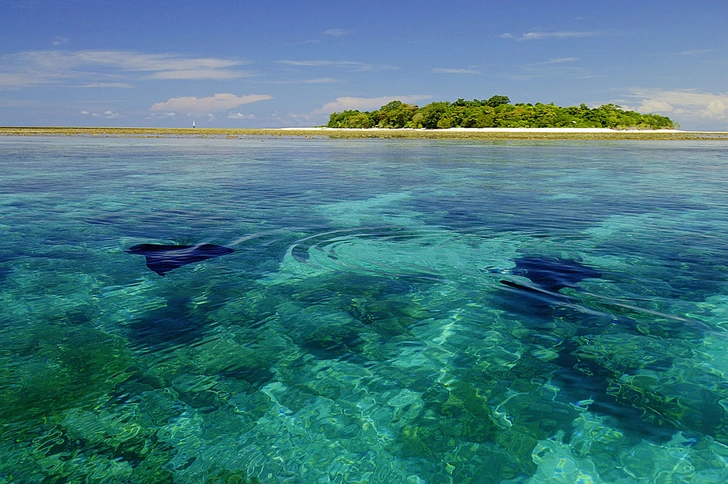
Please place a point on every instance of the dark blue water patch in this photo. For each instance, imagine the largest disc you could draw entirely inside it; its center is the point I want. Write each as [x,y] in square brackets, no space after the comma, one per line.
[106,219]
[173,325]
[530,213]
[155,331]
[6,267]
[681,267]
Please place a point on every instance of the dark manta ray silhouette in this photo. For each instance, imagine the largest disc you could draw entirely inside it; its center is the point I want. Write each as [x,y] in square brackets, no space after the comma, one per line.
[549,274]
[164,258]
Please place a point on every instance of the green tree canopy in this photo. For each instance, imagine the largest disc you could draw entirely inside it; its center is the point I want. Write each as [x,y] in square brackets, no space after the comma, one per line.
[497,111]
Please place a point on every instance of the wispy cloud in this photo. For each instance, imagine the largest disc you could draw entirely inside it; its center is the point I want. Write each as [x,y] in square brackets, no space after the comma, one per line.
[559,34]
[319,80]
[134,61]
[551,62]
[336,32]
[119,85]
[106,114]
[357,66]
[16,80]
[366,103]
[189,74]
[162,66]
[560,66]
[689,103]
[441,70]
[696,52]
[60,40]
[34,68]
[205,105]
[240,116]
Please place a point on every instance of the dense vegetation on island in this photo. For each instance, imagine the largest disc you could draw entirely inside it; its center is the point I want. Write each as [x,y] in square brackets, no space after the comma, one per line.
[497,112]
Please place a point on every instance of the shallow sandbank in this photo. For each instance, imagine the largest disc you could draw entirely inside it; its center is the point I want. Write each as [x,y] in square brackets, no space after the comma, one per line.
[499,130]
[320,132]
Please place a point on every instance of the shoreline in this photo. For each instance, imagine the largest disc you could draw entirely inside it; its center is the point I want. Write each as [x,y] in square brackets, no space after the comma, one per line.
[499,130]
[344,133]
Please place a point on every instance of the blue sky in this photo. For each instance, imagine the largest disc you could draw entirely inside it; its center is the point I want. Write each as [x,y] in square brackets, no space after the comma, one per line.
[291,63]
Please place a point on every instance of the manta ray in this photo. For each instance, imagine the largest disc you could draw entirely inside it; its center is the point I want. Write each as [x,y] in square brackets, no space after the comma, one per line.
[594,375]
[164,258]
[550,275]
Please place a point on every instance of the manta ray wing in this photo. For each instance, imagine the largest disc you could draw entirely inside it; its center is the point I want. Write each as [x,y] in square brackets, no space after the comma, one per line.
[164,258]
[553,274]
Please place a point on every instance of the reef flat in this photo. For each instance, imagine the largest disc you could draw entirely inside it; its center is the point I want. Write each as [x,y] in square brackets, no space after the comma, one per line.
[334,133]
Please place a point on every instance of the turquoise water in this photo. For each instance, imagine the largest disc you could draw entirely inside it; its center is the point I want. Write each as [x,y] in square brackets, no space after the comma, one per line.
[361,331]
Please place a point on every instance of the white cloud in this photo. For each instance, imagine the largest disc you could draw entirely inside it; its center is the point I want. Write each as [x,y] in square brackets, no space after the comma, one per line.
[696,52]
[120,85]
[310,63]
[33,68]
[717,109]
[204,105]
[358,66]
[60,40]
[655,106]
[108,114]
[168,115]
[691,104]
[218,74]
[336,32]
[455,71]
[365,103]
[15,81]
[134,61]
[317,80]
[320,80]
[558,60]
[240,116]
[561,34]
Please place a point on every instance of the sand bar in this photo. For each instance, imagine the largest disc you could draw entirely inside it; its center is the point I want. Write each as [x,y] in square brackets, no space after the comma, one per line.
[322,132]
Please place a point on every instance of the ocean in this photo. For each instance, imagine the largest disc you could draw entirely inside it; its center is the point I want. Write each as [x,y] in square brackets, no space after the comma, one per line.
[389,311]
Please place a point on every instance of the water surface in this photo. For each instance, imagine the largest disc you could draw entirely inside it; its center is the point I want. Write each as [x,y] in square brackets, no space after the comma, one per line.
[361,331]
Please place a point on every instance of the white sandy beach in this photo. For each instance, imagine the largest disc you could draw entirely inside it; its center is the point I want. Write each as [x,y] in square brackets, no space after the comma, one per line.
[501,130]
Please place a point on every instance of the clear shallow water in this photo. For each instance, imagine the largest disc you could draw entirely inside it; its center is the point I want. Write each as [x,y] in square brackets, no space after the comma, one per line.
[360,332]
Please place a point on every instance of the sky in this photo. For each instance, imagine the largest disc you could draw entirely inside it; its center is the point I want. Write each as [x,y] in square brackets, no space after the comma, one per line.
[274,63]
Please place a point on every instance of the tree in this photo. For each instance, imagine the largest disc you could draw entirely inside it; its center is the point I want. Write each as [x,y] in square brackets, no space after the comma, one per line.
[361,120]
[431,115]
[396,114]
[496,101]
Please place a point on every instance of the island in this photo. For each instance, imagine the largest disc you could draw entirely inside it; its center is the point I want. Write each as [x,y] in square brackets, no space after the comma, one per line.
[497,112]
